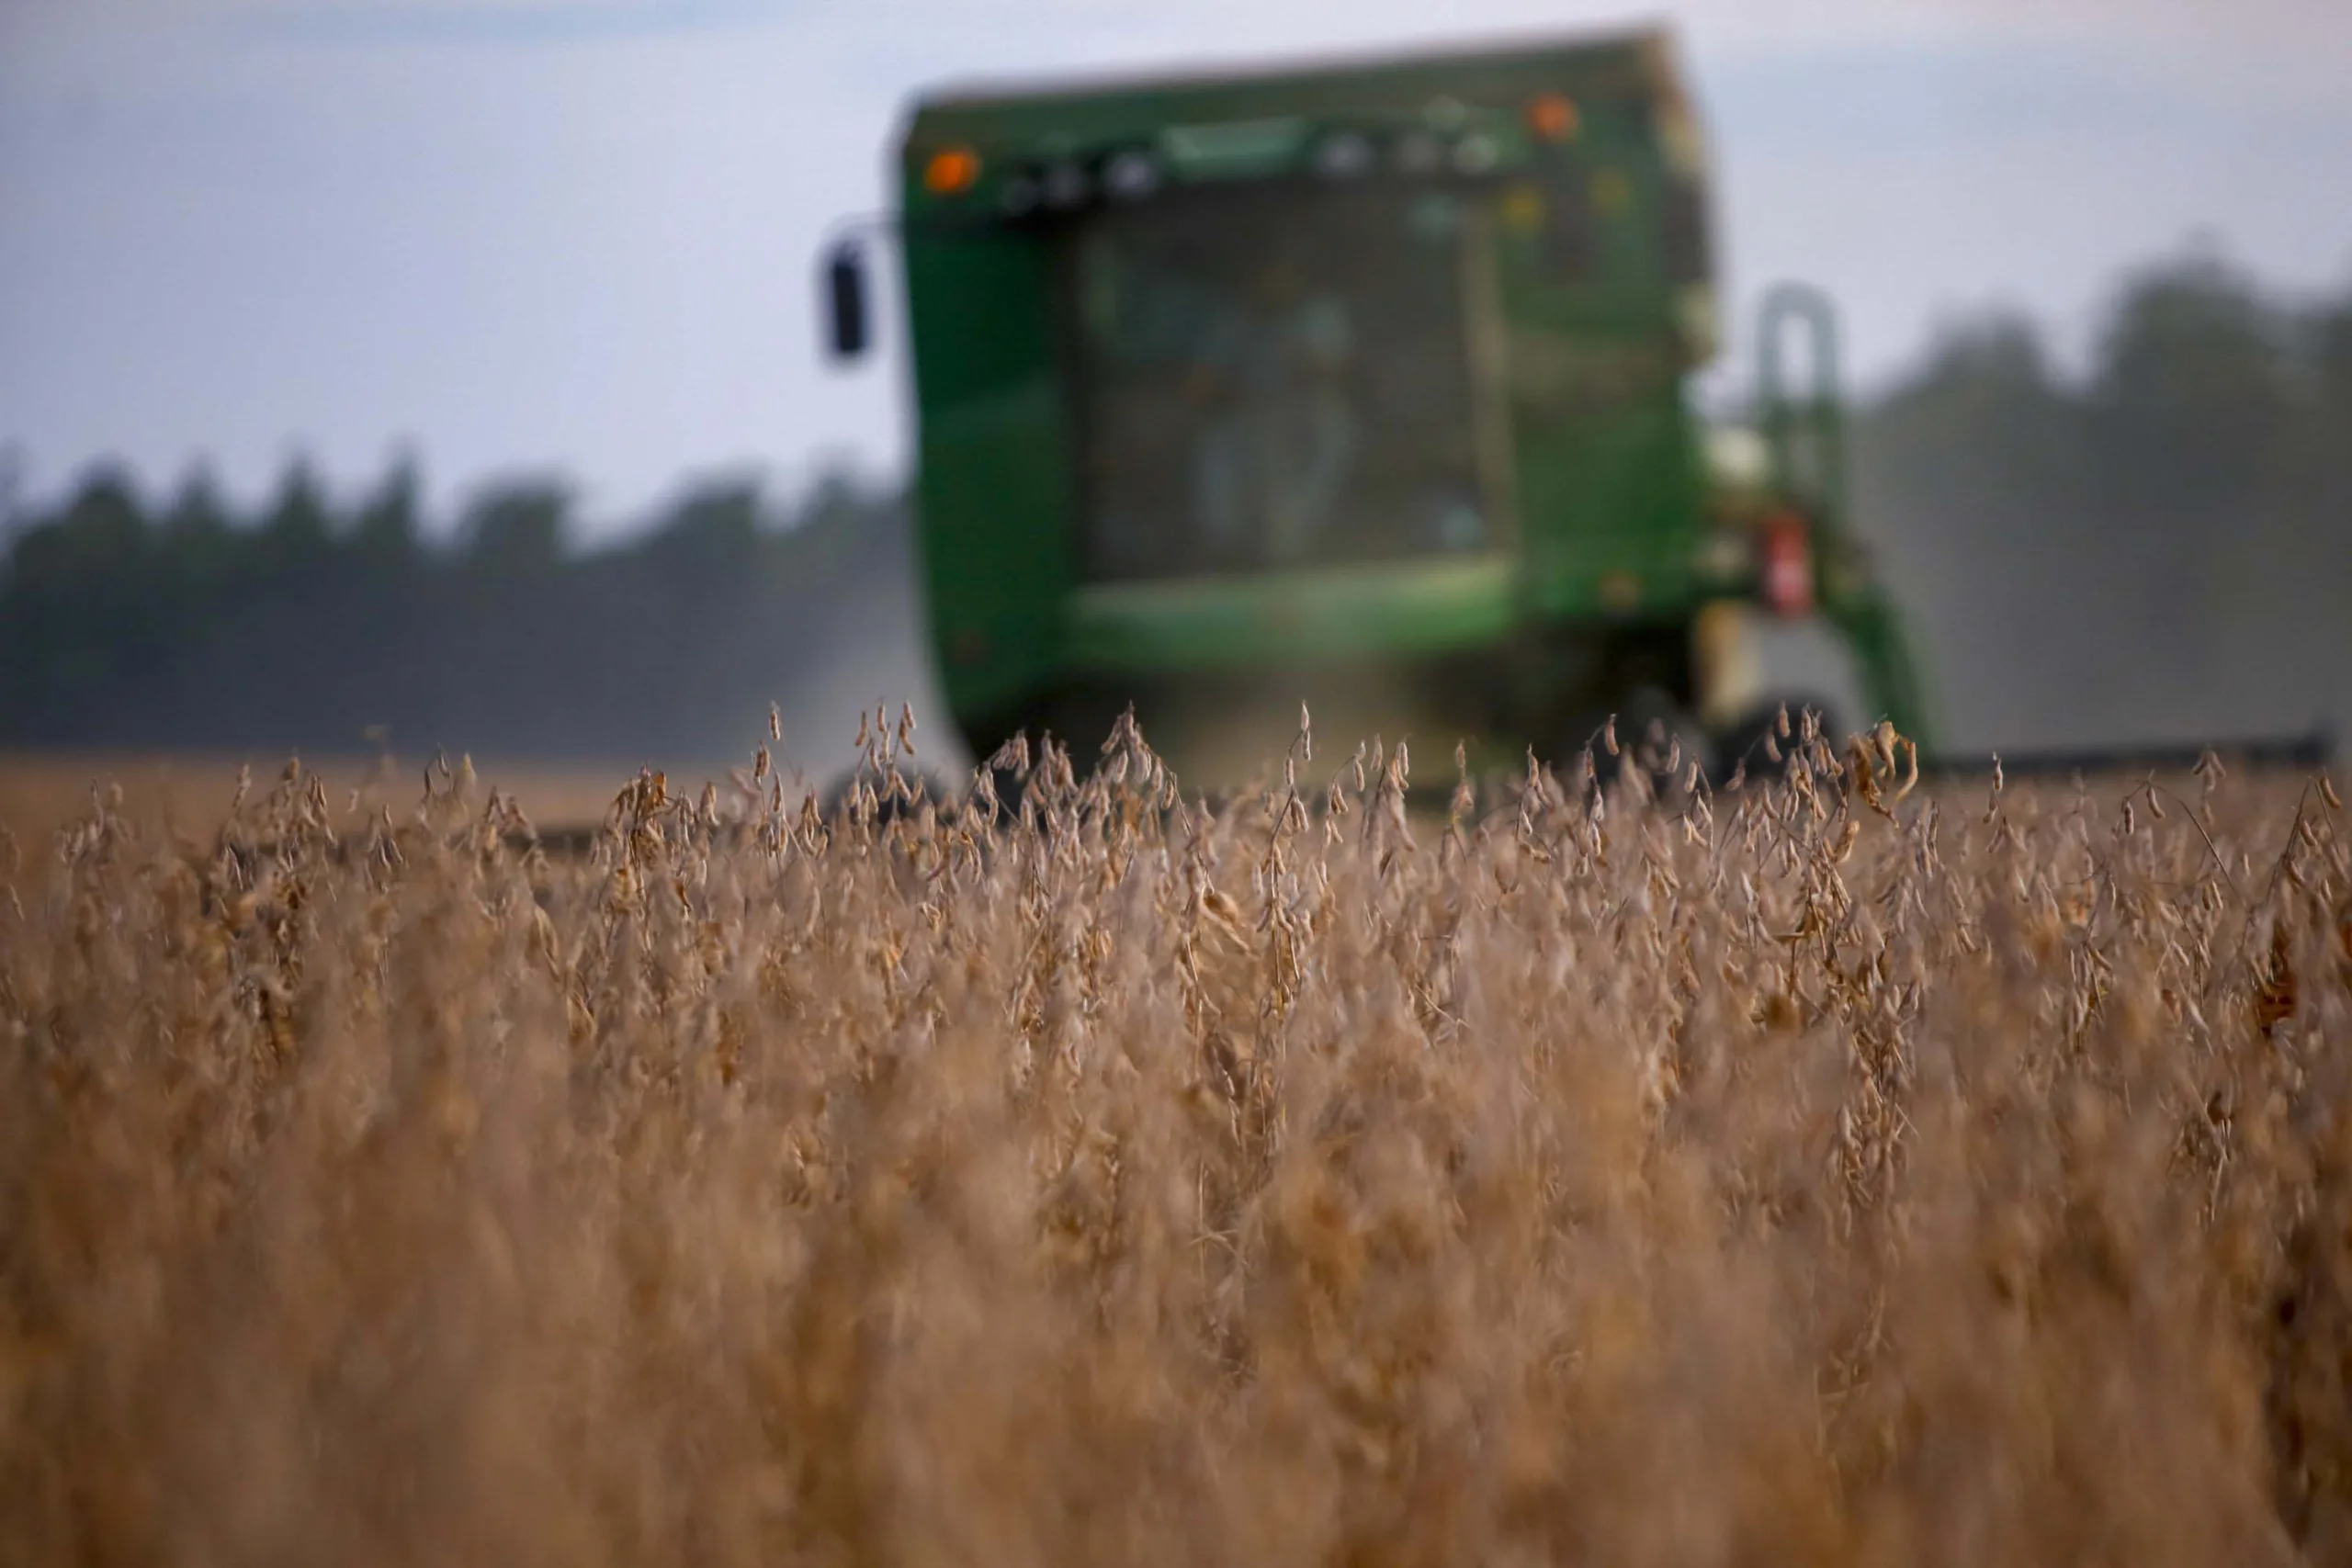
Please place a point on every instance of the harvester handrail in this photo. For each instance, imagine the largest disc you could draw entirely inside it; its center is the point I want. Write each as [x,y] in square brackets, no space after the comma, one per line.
[1817,416]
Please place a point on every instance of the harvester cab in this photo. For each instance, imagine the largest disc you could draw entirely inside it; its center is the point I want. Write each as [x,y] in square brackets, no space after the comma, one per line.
[1365,385]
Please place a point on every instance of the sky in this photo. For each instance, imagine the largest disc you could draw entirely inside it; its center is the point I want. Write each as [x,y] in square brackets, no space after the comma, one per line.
[579,236]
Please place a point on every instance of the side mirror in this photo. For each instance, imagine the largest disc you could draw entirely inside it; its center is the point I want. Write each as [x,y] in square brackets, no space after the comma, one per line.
[846,301]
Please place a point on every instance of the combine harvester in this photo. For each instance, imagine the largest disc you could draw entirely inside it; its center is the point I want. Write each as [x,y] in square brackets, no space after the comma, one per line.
[1365,385]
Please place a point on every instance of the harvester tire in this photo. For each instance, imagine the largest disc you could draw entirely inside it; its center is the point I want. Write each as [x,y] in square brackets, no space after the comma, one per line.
[1753,750]
[928,787]
[1654,734]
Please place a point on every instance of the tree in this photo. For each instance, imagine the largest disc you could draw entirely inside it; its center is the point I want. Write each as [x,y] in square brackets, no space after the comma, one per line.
[388,535]
[12,488]
[197,515]
[100,536]
[79,613]
[709,536]
[516,529]
[2191,389]
[298,530]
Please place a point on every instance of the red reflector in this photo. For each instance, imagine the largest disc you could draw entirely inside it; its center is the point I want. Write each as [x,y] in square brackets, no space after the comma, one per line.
[1788,567]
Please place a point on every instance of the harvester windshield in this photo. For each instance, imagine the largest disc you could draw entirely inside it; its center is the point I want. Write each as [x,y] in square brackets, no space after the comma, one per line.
[1275,379]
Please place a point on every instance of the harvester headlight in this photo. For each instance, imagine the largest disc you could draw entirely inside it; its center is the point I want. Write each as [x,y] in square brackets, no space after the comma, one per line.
[1018,196]
[952,171]
[1475,155]
[1738,459]
[1066,185]
[1343,155]
[1132,175]
[1443,113]
[1419,153]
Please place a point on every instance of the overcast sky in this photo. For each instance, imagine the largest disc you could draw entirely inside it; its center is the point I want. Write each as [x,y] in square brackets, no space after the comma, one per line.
[578,234]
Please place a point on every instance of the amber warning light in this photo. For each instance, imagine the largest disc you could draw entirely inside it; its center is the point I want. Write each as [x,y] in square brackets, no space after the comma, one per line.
[1553,118]
[952,172]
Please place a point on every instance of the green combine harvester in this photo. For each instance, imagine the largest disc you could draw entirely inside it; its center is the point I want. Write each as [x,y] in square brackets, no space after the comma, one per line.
[1365,386]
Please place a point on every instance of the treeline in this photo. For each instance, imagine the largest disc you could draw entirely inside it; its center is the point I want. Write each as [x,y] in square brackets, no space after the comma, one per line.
[2156,545]
[125,624]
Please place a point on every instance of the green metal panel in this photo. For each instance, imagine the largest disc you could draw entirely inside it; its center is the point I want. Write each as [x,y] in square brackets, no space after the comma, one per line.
[1293,619]
[994,496]
[1611,492]
[1613,529]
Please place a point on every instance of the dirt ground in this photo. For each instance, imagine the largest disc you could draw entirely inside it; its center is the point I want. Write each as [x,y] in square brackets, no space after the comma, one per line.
[42,792]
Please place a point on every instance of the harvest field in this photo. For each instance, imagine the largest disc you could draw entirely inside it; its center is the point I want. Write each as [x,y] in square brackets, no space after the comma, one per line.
[1825,1174]
[40,793]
